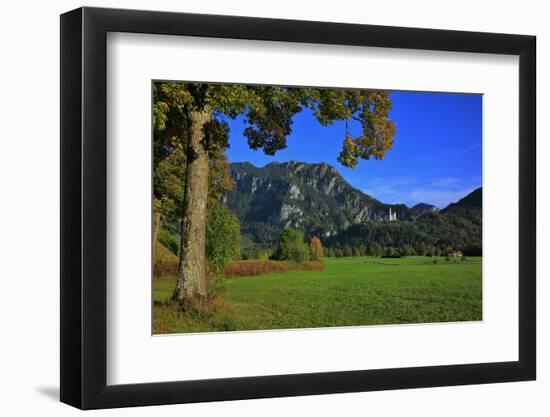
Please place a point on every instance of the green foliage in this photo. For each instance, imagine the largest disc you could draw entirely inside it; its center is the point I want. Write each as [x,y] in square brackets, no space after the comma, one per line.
[260,236]
[223,237]
[474,200]
[215,285]
[320,209]
[389,251]
[430,234]
[292,247]
[170,240]
[269,111]
[168,185]
[407,250]
[264,255]
[171,103]
[170,123]
[374,249]
[421,249]
[348,251]
[255,252]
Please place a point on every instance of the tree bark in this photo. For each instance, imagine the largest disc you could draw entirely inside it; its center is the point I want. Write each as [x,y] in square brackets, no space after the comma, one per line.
[191,279]
[156,226]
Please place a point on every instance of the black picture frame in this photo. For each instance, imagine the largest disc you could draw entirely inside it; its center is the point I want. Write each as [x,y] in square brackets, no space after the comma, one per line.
[84,207]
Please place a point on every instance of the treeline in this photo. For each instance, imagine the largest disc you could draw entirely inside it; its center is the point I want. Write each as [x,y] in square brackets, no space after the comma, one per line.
[431,234]
[375,249]
[224,243]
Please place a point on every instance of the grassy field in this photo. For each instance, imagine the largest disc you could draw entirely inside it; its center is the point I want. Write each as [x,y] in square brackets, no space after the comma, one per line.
[349,292]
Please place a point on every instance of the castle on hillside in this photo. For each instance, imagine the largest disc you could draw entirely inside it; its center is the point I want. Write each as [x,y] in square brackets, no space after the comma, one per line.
[392,216]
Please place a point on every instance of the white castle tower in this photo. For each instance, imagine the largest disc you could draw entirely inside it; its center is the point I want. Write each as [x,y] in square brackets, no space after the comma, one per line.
[392,217]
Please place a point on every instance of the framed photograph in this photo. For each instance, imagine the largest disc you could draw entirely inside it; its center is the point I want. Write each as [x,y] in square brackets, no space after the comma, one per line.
[257,208]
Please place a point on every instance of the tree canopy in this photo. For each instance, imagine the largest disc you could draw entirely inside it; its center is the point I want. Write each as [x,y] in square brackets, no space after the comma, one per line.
[292,247]
[171,136]
[268,112]
[223,237]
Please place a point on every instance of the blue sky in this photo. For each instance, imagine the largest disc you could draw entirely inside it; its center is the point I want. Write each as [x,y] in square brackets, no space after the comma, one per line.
[435,159]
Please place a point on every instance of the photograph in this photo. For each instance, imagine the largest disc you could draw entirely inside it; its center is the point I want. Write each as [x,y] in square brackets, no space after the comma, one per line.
[301,205]
[290,207]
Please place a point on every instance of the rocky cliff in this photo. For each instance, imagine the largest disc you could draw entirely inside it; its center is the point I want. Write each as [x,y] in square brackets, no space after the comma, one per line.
[312,197]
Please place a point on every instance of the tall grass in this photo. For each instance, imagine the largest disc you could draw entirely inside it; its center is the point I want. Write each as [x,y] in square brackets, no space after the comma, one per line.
[263,267]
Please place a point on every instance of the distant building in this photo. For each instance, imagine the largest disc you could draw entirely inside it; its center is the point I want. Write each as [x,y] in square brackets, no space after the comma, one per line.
[392,216]
[455,253]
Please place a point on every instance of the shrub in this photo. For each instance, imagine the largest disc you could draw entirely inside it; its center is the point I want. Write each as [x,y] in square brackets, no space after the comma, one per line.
[316,249]
[265,254]
[313,266]
[223,238]
[421,249]
[389,252]
[374,249]
[348,251]
[257,267]
[407,250]
[292,247]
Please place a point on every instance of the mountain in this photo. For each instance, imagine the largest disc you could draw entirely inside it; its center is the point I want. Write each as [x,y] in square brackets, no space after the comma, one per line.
[473,200]
[311,197]
[458,226]
[422,208]
[469,207]
[318,200]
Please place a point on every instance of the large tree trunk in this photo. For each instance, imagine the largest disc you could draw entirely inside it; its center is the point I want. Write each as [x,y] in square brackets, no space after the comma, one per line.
[191,280]
[156,226]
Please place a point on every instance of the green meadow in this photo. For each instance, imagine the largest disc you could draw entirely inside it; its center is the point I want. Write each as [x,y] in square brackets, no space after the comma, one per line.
[353,291]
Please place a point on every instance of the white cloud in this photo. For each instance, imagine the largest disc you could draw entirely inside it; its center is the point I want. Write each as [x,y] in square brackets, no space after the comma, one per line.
[389,190]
